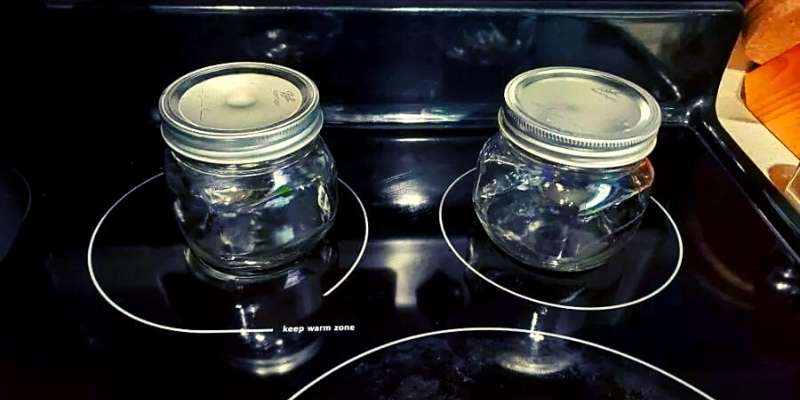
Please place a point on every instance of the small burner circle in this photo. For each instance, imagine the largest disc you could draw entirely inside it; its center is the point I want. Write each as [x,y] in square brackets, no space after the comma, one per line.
[510,267]
[165,246]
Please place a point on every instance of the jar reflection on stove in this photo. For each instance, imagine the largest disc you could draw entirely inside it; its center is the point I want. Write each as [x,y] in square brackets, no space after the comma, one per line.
[566,181]
[254,185]
[294,300]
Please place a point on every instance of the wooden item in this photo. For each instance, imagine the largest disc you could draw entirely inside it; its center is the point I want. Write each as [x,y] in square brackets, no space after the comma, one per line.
[772,94]
[770,28]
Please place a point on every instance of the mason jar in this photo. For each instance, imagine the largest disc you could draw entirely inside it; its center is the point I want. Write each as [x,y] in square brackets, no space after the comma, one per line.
[566,181]
[254,184]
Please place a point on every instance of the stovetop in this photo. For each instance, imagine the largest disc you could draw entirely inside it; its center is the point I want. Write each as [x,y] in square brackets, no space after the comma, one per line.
[405,298]
[692,298]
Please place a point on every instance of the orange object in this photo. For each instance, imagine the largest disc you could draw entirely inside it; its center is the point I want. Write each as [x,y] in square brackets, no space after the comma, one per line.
[782,174]
[772,93]
[770,28]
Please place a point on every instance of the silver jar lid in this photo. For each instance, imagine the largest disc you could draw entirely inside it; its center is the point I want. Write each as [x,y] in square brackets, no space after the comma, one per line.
[240,113]
[580,117]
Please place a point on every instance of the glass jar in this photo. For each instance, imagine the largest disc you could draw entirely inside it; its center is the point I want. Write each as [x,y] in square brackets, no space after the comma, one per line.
[566,181]
[254,185]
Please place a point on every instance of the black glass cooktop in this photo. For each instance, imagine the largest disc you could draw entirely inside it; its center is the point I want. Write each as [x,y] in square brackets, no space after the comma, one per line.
[682,310]
[405,298]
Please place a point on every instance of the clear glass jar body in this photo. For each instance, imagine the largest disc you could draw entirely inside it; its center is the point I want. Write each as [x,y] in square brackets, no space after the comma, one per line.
[248,219]
[553,216]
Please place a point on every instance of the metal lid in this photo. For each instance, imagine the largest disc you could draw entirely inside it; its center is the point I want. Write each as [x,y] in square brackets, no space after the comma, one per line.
[240,113]
[580,117]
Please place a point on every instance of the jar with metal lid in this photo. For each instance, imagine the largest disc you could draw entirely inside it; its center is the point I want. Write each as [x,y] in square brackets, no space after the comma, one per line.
[254,185]
[566,181]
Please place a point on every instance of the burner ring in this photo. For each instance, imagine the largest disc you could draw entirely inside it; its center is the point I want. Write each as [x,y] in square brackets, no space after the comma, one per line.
[536,335]
[659,289]
[107,298]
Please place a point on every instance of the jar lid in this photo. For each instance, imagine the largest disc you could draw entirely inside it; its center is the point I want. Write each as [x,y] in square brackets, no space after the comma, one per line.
[580,117]
[240,113]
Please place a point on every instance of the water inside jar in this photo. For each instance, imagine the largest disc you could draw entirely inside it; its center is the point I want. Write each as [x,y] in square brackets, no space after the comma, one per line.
[552,217]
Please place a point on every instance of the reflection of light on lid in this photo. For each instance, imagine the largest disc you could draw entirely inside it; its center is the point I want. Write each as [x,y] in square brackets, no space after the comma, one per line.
[580,117]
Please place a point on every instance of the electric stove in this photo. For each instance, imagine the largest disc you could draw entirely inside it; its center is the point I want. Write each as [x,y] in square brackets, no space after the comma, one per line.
[406,297]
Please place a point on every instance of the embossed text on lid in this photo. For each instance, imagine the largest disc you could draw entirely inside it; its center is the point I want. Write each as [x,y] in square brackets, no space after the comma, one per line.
[240,101]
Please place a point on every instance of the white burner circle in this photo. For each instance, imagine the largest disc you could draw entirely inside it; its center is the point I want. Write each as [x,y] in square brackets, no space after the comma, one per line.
[527,332]
[658,290]
[144,321]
